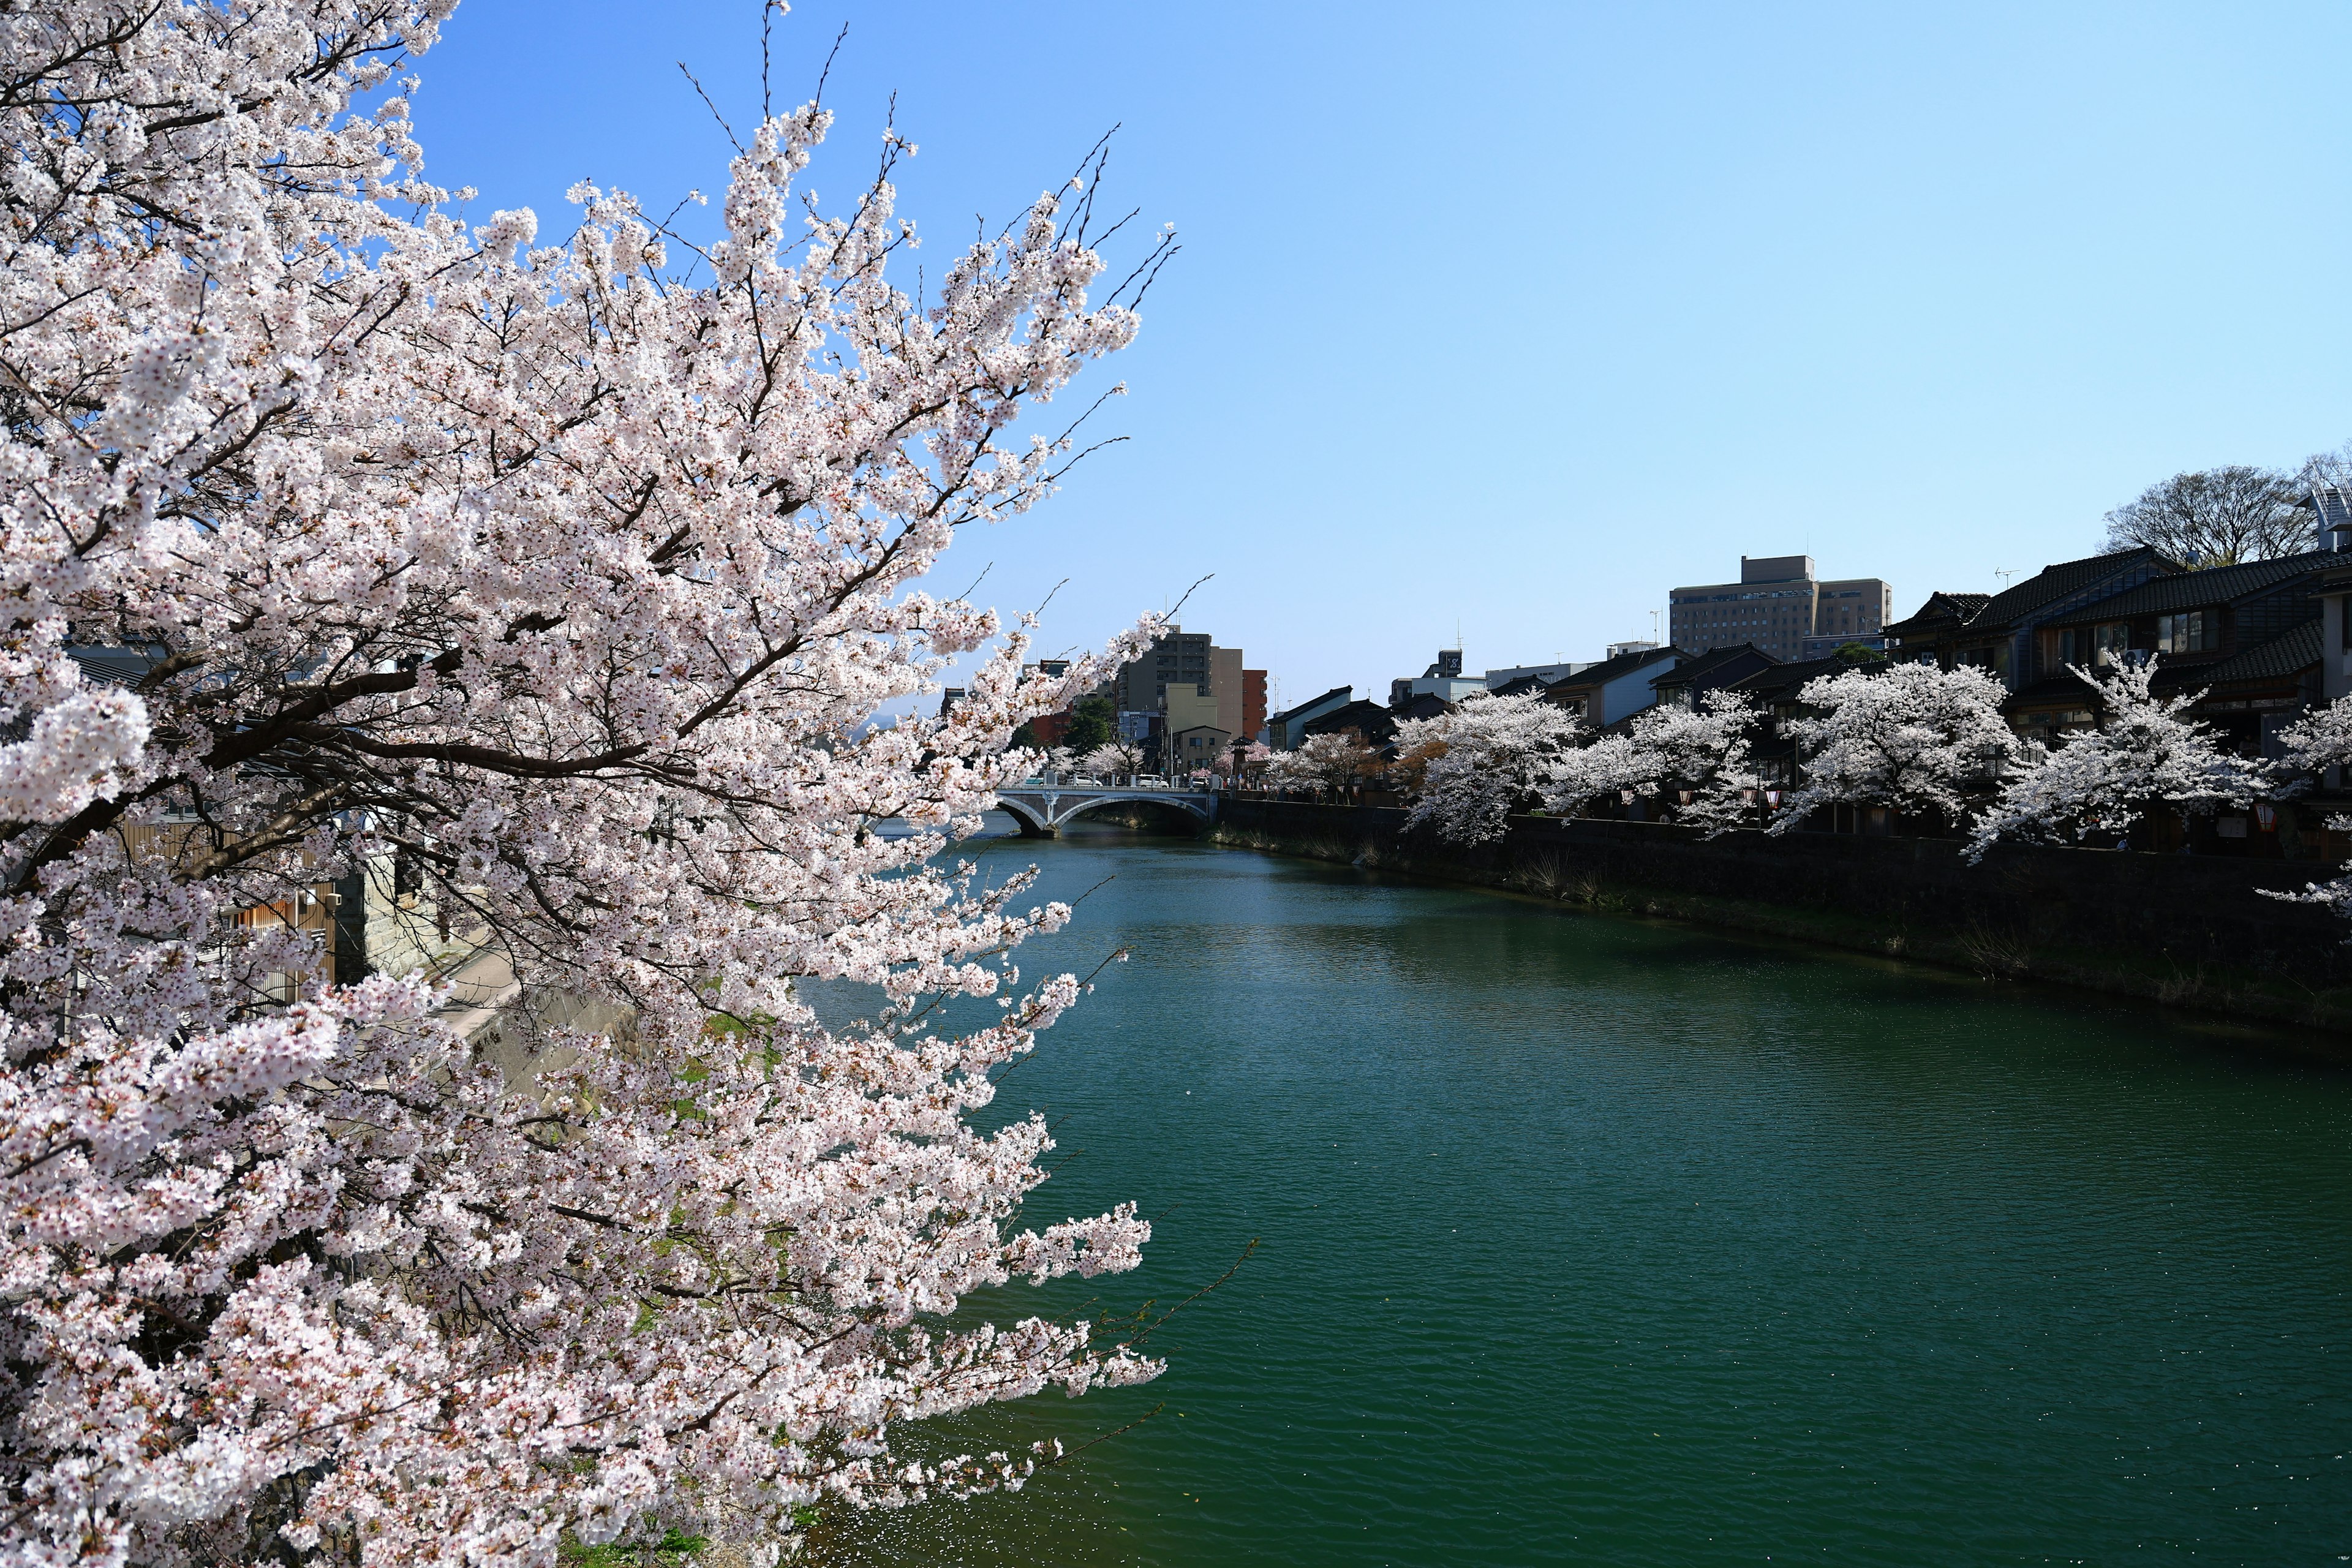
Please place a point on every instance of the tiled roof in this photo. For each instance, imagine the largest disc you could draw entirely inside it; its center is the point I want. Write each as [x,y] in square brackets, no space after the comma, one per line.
[1342,692]
[2187,589]
[1941,606]
[1374,721]
[1939,609]
[2057,582]
[1714,658]
[1780,678]
[2065,687]
[114,666]
[1609,670]
[2277,659]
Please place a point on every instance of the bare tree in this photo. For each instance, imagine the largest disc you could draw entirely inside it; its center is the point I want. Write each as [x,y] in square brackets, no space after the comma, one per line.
[2216,517]
[2327,468]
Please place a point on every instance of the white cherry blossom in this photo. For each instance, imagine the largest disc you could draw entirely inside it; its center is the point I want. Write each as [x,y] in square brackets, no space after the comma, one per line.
[1322,764]
[1703,752]
[1909,736]
[1490,757]
[572,581]
[2098,781]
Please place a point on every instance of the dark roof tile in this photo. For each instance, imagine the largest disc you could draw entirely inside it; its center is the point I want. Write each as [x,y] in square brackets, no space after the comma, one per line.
[1939,607]
[2057,582]
[1609,670]
[2281,658]
[1699,664]
[2187,589]
[1342,692]
[1770,683]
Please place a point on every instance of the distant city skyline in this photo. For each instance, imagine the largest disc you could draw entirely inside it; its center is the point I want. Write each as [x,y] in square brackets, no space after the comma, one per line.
[1516,316]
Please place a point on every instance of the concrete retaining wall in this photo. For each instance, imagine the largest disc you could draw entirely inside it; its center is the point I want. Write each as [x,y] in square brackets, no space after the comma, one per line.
[2186,930]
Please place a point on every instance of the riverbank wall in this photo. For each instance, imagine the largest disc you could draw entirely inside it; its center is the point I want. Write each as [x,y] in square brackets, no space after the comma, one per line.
[2186,930]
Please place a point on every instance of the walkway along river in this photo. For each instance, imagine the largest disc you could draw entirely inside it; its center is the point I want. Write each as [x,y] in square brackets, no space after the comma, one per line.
[1593,1239]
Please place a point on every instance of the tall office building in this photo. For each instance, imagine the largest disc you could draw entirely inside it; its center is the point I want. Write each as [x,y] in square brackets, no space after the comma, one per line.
[1175,658]
[1194,667]
[1782,608]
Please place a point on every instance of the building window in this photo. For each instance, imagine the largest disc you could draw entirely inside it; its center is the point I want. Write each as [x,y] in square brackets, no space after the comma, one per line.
[2110,642]
[2192,631]
[1994,658]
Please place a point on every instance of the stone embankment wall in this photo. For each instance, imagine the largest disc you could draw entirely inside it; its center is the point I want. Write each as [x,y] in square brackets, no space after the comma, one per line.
[2188,930]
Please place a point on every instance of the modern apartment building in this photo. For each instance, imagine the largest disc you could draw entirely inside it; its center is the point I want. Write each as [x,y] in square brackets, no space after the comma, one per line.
[1176,658]
[1778,606]
[1184,658]
[1182,667]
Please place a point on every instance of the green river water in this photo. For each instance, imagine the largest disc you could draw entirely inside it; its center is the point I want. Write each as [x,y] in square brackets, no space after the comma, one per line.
[1593,1239]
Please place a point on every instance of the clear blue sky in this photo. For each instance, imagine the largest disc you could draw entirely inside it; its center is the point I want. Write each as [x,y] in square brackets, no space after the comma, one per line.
[1514,316]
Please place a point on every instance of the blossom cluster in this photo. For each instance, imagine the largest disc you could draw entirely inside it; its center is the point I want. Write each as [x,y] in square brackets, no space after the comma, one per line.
[1913,738]
[1321,763]
[572,581]
[1494,755]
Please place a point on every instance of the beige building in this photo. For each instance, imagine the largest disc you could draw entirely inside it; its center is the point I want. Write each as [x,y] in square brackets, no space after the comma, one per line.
[1778,606]
[1182,660]
[1225,681]
[1195,733]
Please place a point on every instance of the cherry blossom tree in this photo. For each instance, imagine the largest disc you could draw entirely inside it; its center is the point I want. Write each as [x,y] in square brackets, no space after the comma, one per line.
[2101,781]
[573,580]
[2318,741]
[1480,763]
[1323,764]
[1911,736]
[1601,771]
[1115,759]
[2312,745]
[1703,752]
[1477,764]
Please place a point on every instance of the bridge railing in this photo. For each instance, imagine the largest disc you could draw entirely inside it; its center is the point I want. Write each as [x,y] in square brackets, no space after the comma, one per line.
[1146,785]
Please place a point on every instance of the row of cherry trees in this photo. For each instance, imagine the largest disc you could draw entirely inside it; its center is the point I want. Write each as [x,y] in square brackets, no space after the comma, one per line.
[573,577]
[1910,737]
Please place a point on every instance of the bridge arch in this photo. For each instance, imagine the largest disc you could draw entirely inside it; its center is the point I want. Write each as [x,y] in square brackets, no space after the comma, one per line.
[1198,813]
[1032,823]
[1040,812]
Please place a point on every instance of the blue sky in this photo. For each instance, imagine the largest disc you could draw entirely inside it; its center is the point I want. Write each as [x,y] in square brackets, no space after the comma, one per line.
[1512,317]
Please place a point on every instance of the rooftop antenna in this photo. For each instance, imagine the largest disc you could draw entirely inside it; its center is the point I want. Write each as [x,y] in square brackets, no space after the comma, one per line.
[2004,574]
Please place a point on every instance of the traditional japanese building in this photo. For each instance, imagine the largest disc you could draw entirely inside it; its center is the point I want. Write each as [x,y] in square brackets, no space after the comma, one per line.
[1685,683]
[2195,625]
[1998,632]
[1614,688]
[1367,718]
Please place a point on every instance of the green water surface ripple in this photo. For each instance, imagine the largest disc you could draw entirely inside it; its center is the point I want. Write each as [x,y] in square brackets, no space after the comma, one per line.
[1591,1239]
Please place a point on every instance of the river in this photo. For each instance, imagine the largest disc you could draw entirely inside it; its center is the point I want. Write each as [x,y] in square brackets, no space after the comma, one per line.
[1586,1238]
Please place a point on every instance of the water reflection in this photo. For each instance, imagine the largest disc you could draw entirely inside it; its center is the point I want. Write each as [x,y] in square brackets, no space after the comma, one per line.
[1596,1239]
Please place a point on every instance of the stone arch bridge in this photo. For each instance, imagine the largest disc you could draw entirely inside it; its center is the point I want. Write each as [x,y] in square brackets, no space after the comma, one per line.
[1041,809]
